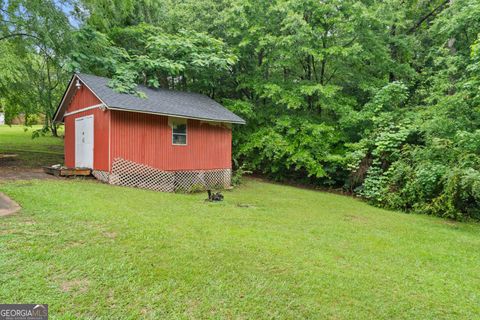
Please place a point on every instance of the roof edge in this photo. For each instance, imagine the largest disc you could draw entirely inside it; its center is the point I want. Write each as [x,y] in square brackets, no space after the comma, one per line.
[176,115]
[88,87]
[66,93]
[63,100]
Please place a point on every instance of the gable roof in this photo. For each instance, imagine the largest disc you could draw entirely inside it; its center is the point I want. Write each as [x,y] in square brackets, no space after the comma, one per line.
[158,101]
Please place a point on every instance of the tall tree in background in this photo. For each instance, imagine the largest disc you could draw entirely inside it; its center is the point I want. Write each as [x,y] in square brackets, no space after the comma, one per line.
[423,154]
[36,37]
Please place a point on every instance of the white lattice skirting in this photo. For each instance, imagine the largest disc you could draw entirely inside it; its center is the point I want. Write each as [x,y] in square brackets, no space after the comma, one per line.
[132,174]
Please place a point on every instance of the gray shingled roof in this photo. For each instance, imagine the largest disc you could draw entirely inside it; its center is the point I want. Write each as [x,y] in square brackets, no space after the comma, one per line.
[161,101]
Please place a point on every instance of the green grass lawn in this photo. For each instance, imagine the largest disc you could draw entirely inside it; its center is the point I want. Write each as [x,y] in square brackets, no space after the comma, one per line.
[30,152]
[92,250]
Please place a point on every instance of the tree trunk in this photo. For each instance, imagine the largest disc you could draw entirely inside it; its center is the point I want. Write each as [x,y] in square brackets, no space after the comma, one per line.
[393,53]
[50,125]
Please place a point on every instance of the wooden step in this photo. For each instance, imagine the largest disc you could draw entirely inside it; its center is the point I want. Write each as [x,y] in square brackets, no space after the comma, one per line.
[67,172]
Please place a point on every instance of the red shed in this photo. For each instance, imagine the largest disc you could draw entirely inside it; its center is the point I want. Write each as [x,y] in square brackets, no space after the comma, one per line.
[164,140]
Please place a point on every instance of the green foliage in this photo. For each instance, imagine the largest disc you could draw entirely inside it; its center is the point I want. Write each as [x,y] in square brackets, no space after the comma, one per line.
[148,55]
[238,173]
[179,61]
[377,97]
[292,148]
[35,40]
[423,156]
[441,178]
[95,53]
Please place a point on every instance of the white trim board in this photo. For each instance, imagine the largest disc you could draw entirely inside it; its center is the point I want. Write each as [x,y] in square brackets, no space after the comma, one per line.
[84,109]
[69,88]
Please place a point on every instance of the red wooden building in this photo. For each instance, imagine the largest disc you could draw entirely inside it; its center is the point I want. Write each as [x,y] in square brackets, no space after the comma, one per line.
[168,140]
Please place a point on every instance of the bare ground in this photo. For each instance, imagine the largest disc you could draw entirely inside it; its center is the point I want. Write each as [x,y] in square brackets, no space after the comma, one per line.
[7,206]
[20,173]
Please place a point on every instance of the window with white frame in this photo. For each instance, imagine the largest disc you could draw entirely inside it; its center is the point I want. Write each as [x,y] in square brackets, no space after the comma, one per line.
[179,131]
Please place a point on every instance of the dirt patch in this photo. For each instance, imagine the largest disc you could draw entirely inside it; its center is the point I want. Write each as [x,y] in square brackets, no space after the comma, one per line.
[6,232]
[354,218]
[73,244]
[145,311]
[29,159]
[77,285]
[17,173]
[245,205]
[111,235]
[7,206]
[192,306]
[8,160]
[58,149]
[451,223]
[305,186]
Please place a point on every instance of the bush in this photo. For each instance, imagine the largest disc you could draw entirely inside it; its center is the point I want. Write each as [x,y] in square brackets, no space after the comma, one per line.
[237,176]
[441,178]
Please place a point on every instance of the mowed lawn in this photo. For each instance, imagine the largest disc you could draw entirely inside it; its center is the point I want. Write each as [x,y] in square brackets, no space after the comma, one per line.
[268,251]
[29,152]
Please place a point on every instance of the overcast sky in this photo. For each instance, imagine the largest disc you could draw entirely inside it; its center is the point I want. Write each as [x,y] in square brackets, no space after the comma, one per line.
[68,9]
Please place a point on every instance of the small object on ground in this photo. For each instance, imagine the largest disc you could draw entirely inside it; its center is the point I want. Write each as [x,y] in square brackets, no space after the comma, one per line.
[244,205]
[58,170]
[216,196]
[5,156]
[7,205]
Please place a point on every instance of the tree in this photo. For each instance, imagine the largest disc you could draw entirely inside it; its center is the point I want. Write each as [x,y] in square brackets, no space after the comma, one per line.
[147,55]
[40,35]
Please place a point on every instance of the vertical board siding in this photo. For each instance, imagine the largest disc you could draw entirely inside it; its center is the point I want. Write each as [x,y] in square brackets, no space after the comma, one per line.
[147,139]
[83,99]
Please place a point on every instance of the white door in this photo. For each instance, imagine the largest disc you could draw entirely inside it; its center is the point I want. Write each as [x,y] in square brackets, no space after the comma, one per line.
[84,142]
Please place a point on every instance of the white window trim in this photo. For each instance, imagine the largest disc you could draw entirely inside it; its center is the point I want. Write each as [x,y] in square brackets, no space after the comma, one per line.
[180,144]
[171,121]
